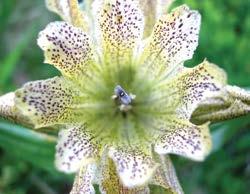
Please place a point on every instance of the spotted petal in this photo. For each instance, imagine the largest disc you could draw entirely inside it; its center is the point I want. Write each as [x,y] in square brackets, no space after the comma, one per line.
[75,148]
[110,181]
[9,111]
[184,90]
[165,176]
[149,10]
[69,11]
[184,138]
[152,10]
[121,27]
[47,102]
[196,84]
[135,167]
[66,47]
[7,106]
[173,41]
[83,180]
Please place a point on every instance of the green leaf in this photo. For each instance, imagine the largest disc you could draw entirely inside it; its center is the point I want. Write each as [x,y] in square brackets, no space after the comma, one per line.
[11,60]
[27,145]
[6,9]
[218,137]
[227,131]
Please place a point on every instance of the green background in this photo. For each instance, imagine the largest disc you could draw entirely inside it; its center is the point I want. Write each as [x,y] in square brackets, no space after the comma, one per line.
[26,159]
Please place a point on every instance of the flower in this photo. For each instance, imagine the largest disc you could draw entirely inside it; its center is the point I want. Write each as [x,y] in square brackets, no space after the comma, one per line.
[123,102]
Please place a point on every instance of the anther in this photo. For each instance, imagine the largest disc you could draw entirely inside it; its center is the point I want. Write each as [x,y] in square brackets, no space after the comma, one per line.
[122,96]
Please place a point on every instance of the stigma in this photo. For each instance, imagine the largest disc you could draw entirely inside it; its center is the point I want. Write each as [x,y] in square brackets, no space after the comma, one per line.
[123,98]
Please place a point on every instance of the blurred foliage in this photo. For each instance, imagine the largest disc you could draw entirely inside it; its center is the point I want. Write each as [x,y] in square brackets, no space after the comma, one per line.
[26,157]
[224,36]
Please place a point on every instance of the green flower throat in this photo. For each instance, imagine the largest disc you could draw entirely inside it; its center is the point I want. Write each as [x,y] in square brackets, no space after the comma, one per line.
[119,102]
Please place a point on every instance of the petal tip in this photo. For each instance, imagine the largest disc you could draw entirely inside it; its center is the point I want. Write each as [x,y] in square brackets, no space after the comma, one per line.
[7,105]
[190,141]
[134,169]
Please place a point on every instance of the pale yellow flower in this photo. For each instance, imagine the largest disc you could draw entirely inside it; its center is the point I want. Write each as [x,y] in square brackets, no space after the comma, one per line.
[122,102]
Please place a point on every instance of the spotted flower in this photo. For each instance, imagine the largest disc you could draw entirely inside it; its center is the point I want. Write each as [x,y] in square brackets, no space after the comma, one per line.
[124,100]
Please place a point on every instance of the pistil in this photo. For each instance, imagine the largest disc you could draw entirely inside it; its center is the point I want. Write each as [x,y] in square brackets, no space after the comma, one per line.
[123,98]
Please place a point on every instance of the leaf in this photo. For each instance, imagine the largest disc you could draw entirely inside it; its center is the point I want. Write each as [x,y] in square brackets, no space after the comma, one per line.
[6,9]
[11,60]
[31,146]
[225,132]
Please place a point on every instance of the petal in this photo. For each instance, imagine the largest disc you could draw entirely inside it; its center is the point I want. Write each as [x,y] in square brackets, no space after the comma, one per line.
[173,41]
[7,106]
[69,11]
[196,84]
[163,6]
[184,138]
[152,10]
[149,11]
[230,102]
[47,102]
[66,47]
[135,167]
[75,148]
[83,180]
[165,176]
[121,27]
[181,92]
[110,182]
[9,111]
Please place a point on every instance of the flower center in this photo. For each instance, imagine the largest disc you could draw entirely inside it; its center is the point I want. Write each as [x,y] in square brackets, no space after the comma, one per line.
[120,103]
[123,99]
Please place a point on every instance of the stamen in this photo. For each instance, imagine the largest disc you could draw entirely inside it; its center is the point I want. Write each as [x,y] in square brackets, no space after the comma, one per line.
[122,96]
